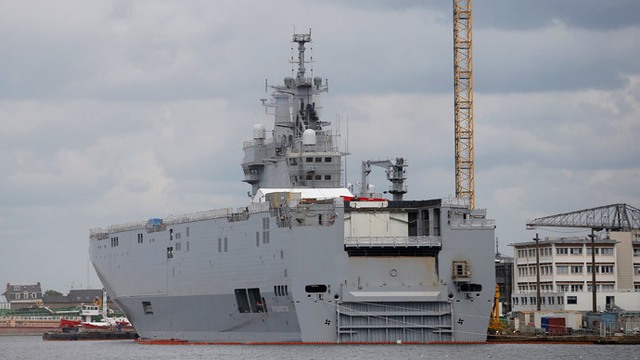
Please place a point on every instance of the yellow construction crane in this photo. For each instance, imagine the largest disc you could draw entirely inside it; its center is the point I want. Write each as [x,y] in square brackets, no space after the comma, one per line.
[463,100]
[495,325]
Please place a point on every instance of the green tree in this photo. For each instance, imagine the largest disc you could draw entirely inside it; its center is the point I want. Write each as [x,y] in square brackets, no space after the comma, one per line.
[52,293]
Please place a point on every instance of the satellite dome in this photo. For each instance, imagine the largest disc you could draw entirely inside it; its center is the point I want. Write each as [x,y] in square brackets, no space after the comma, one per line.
[309,137]
[259,132]
[288,81]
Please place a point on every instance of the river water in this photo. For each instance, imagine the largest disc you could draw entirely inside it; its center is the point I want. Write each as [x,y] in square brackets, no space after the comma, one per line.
[34,348]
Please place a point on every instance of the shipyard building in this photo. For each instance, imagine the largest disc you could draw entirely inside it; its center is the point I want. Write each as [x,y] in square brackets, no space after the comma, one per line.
[565,273]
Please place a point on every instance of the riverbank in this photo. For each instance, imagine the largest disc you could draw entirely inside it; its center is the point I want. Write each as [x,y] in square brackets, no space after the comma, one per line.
[568,339]
[26,331]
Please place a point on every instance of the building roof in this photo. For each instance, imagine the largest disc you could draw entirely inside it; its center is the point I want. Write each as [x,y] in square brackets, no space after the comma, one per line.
[12,290]
[572,240]
[501,259]
[84,295]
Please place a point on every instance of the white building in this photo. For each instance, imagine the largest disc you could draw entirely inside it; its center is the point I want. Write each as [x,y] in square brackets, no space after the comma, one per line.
[566,273]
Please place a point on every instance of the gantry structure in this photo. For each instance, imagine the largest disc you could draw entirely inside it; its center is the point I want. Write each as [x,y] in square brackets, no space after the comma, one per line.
[614,217]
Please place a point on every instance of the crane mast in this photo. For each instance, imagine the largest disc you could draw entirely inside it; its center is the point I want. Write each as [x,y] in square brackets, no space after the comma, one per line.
[463,100]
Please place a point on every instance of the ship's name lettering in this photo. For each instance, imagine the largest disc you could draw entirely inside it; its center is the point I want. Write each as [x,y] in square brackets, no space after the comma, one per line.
[280,309]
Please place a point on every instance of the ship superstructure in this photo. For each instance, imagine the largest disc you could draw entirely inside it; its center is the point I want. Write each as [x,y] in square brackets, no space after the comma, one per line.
[306,260]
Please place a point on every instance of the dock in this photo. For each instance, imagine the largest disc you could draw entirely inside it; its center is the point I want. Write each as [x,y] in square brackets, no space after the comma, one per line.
[89,335]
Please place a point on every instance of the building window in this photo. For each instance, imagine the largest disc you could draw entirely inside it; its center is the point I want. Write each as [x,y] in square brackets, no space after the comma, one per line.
[606,251]
[572,300]
[17,296]
[562,251]
[577,288]
[576,251]
[636,270]
[562,269]
[563,288]
[636,252]
[327,177]
[309,159]
[607,287]
[327,159]
[576,269]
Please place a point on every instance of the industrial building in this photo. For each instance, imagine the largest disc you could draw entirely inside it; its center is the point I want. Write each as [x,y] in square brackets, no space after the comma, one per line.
[565,273]
[597,273]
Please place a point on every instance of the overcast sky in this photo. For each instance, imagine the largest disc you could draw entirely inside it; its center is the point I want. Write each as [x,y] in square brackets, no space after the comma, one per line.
[118,111]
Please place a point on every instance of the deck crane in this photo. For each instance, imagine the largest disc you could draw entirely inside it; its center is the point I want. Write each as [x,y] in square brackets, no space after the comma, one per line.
[395,173]
[463,100]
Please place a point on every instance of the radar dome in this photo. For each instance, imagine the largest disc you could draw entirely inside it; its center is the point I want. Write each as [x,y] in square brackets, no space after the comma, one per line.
[288,81]
[259,132]
[309,137]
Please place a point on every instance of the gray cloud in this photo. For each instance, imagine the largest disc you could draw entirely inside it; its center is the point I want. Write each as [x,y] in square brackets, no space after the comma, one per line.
[115,111]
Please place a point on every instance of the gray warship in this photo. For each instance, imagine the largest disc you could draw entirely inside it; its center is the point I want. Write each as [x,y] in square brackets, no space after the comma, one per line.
[305,260]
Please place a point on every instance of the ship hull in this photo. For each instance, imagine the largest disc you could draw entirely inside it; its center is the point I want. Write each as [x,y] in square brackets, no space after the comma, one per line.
[265,275]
